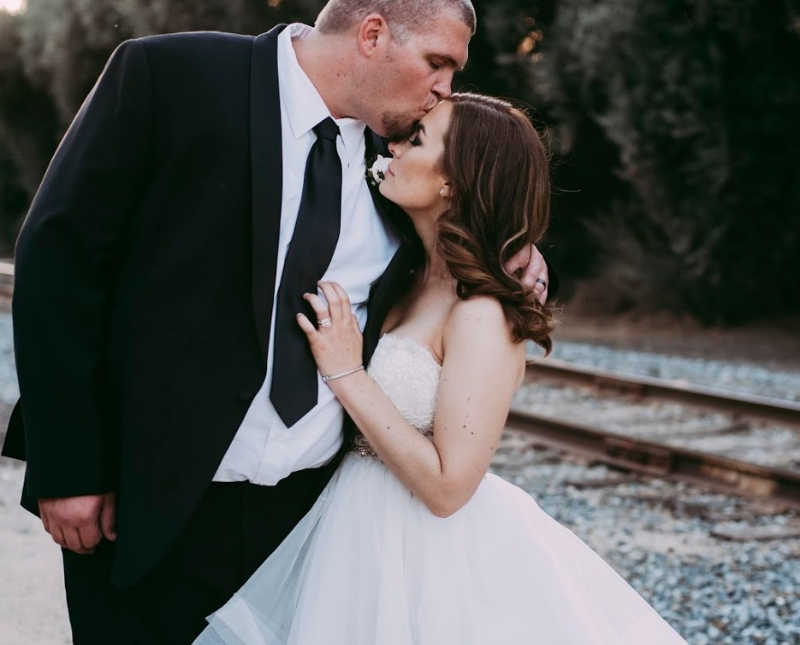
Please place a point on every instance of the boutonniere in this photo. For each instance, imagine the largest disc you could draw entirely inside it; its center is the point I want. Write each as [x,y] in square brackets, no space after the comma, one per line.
[376,169]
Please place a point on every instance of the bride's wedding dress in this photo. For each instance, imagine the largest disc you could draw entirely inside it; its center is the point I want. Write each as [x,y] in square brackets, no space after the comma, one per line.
[371,565]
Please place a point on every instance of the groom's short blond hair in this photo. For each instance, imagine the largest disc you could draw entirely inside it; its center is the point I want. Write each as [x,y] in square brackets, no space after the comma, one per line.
[404,17]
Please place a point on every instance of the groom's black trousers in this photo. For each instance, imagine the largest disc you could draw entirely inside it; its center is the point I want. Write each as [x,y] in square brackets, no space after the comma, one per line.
[235,527]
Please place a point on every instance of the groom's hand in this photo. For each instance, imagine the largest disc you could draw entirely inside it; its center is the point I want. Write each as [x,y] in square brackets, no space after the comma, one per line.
[79,523]
[534,270]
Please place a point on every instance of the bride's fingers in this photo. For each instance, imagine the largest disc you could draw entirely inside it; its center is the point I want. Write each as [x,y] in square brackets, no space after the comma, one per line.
[320,308]
[334,301]
[305,324]
[347,307]
[343,297]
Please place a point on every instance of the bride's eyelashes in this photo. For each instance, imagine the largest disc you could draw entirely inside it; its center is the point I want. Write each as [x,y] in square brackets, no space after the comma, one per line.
[415,139]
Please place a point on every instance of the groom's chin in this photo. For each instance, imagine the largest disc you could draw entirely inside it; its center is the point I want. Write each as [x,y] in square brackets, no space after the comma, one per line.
[397,129]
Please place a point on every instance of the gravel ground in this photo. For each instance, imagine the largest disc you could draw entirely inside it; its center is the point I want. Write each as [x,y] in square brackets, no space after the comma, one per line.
[712,591]
[658,535]
[9,391]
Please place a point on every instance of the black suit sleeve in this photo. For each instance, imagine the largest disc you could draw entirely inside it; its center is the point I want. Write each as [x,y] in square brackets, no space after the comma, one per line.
[67,256]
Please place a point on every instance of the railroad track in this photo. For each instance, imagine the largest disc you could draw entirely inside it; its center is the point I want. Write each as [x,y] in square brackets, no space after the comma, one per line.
[669,454]
[751,406]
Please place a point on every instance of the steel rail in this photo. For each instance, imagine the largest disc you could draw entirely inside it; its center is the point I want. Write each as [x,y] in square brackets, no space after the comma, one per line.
[659,460]
[762,407]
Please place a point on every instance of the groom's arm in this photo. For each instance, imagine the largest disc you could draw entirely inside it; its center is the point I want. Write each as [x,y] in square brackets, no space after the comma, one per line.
[67,255]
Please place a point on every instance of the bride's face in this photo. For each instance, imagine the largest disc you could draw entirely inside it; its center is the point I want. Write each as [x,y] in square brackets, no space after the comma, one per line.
[414,180]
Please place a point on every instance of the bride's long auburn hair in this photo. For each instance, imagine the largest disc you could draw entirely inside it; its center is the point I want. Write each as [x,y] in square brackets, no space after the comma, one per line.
[499,175]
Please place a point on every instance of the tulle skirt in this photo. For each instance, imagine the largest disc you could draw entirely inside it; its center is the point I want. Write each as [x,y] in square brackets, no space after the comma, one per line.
[371,565]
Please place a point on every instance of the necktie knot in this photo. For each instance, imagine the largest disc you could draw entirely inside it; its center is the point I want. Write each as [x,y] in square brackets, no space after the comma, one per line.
[326,129]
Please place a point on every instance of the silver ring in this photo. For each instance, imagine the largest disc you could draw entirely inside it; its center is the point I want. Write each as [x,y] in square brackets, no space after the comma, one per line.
[325,322]
[541,282]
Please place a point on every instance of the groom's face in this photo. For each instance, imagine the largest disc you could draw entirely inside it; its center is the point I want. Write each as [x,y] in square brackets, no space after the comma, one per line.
[417,73]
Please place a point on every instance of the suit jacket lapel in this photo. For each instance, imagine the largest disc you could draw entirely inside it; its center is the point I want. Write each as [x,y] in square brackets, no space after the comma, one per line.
[385,291]
[266,178]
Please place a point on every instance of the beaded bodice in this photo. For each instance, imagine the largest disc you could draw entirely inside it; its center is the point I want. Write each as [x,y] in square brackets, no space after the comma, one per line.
[408,373]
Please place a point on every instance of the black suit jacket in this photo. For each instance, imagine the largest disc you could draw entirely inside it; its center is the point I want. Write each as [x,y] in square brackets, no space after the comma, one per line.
[144,278]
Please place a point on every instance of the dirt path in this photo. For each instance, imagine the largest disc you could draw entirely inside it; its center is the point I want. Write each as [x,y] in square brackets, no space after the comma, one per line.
[33,609]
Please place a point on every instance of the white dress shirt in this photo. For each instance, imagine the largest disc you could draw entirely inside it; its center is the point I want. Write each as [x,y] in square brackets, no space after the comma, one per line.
[264,450]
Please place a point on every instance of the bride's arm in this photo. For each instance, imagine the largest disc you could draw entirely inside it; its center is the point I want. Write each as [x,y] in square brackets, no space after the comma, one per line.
[482,369]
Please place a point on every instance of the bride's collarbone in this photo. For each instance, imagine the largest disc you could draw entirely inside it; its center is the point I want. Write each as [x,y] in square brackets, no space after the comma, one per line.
[421,320]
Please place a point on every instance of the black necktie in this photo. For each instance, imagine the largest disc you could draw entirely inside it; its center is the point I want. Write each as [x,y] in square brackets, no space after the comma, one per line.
[294,373]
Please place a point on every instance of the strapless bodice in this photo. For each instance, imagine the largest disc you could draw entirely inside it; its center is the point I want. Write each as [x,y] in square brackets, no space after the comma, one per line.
[408,373]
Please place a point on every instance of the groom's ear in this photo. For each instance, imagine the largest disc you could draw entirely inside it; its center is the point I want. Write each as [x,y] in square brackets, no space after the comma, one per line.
[373,35]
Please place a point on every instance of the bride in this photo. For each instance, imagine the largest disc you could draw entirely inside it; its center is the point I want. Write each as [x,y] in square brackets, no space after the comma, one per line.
[412,542]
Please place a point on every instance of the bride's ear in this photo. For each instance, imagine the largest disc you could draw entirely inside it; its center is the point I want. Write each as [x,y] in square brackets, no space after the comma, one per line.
[445,191]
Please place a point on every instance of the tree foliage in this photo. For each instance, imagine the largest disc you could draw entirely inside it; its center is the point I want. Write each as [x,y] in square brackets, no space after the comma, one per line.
[66,42]
[51,55]
[672,125]
[675,120]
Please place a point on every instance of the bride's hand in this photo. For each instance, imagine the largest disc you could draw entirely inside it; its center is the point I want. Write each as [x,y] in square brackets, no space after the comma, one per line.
[337,341]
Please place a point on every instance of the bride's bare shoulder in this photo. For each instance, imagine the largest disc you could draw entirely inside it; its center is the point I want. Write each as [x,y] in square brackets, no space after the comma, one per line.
[480,324]
[477,310]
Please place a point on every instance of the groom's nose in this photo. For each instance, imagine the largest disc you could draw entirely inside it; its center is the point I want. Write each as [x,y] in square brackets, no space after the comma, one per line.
[442,89]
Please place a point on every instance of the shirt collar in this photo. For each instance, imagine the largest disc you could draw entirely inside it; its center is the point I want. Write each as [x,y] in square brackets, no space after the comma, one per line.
[303,103]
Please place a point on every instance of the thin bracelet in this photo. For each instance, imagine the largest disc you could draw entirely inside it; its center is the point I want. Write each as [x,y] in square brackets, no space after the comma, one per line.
[333,377]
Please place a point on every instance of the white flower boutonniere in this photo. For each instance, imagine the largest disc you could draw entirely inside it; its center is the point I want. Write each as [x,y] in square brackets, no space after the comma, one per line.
[376,172]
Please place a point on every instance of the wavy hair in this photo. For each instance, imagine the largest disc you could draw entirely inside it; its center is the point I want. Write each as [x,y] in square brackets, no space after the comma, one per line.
[499,173]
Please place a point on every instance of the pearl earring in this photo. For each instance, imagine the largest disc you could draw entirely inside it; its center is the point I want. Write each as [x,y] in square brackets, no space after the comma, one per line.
[442,191]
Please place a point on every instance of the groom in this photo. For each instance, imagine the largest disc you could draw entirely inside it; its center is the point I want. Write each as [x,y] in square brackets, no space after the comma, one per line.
[172,429]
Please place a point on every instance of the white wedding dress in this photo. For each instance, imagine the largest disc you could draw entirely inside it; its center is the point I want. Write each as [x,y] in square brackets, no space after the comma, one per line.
[371,565]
